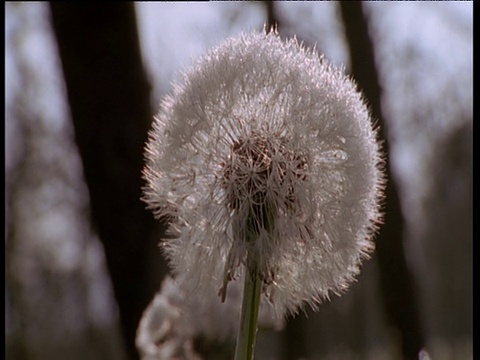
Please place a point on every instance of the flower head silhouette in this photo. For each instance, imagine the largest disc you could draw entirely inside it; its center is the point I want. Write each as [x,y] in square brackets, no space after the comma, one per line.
[267,149]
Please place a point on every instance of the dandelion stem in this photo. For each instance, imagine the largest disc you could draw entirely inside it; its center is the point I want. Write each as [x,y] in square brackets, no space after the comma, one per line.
[247,332]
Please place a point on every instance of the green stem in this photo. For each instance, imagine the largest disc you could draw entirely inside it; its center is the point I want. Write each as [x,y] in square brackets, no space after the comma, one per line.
[247,332]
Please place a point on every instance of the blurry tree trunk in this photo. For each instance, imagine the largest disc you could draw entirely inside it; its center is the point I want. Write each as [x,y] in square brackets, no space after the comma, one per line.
[396,282]
[448,239]
[272,18]
[109,98]
[294,338]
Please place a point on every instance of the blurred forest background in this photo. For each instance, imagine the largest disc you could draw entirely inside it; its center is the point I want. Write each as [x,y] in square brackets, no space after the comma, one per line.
[82,85]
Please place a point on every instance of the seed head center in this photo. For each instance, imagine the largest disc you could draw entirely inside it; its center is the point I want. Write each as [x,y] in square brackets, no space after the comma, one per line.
[263,170]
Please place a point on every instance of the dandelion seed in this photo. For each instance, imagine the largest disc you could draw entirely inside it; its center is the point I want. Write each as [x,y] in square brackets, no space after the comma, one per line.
[266,149]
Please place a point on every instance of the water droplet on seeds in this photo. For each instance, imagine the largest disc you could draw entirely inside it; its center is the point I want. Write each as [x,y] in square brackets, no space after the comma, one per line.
[334,156]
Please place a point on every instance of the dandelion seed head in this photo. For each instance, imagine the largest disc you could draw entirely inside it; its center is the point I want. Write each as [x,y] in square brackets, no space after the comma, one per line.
[265,147]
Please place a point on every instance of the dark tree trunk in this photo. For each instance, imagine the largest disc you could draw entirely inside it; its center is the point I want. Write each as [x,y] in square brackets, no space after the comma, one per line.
[272,18]
[396,282]
[109,99]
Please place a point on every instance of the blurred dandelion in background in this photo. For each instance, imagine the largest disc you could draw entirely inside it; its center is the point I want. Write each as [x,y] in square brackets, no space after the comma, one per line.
[175,325]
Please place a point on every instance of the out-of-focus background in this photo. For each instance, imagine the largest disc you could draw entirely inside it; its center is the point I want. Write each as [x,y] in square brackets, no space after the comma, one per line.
[82,85]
